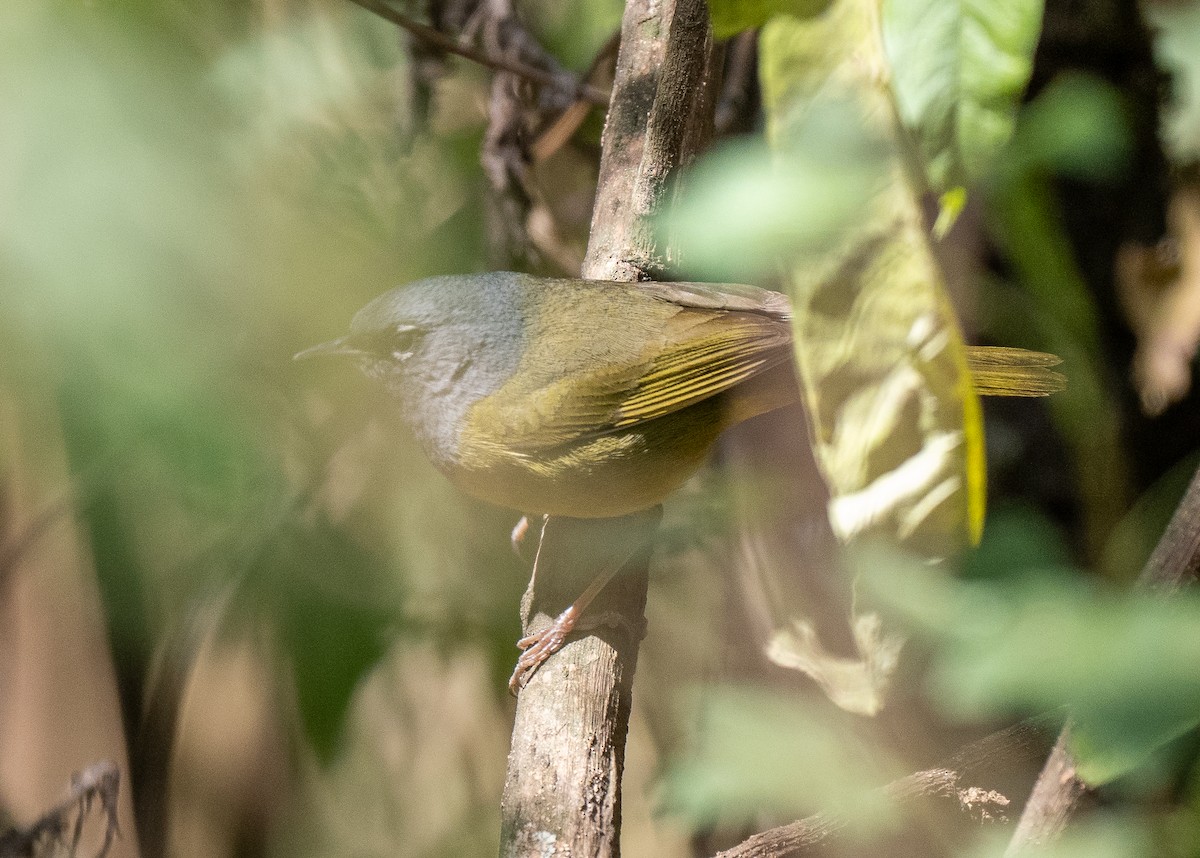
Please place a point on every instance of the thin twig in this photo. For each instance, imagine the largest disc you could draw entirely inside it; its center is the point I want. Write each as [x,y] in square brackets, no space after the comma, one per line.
[98,783]
[555,136]
[437,37]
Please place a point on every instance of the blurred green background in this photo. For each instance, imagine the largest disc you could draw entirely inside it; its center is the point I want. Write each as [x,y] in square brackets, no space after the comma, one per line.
[191,192]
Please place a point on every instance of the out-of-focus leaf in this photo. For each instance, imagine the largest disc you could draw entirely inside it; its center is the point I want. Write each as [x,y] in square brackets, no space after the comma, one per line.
[1123,664]
[746,207]
[894,417]
[882,363]
[167,217]
[1177,48]
[1105,837]
[1138,531]
[88,218]
[730,17]
[328,596]
[756,752]
[958,69]
[1075,126]
[1017,538]
[573,30]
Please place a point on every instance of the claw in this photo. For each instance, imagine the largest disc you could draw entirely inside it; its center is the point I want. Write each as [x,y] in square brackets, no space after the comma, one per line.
[539,646]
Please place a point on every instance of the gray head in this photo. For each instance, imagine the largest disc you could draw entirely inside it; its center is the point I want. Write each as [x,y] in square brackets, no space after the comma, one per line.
[439,345]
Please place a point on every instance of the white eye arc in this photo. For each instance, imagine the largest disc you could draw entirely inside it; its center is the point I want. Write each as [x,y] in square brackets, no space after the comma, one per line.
[403,340]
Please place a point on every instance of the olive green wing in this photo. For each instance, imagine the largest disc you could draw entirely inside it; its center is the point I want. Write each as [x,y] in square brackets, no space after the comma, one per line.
[702,359]
[737,297]
[668,346]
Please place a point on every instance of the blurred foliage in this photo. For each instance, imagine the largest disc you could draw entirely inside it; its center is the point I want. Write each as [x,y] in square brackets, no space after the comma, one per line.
[1109,837]
[1036,636]
[1177,47]
[1026,630]
[142,259]
[732,16]
[755,753]
[958,70]
[1077,128]
[1136,534]
[335,619]
[746,207]
[192,192]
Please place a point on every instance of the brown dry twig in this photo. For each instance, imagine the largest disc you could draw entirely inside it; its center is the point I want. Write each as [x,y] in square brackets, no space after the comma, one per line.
[555,135]
[98,784]
[433,36]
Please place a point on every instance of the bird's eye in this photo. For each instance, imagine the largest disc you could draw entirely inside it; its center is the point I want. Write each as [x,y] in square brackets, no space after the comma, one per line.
[403,340]
[395,342]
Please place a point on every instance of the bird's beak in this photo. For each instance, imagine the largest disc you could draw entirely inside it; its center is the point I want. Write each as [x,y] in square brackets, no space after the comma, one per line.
[340,346]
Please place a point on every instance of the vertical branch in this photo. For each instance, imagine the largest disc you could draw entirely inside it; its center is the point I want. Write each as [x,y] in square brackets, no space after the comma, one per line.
[562,792]
[1059,791]
[659,99]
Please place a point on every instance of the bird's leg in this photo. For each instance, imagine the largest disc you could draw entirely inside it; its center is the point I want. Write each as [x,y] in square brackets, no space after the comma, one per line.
[539,646]
[604,545]
[519,534]
[517,537]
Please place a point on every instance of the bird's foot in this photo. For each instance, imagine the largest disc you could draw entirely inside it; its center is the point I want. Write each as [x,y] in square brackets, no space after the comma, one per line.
[539,646]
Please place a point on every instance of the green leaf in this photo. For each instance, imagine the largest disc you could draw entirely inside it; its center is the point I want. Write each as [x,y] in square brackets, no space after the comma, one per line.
[332,602]
[745,207]
[1075,127]
[756,752]
[1177,49]
[730,17]
[958,69]
[1124,664]
[895,419]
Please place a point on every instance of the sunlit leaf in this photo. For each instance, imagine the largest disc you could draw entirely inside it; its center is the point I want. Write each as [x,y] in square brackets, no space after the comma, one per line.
[732,16]
[958,69]
[882,362]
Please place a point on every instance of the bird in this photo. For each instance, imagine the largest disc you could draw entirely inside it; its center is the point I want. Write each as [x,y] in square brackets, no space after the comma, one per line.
[582,398]
[578,398]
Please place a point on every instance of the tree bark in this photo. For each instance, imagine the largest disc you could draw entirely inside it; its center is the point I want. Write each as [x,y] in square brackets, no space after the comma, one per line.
[562,793]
